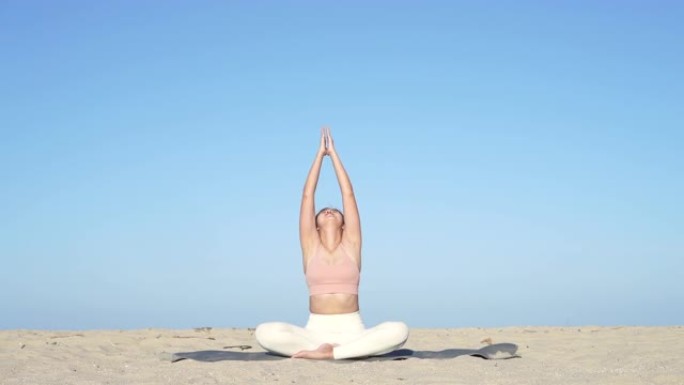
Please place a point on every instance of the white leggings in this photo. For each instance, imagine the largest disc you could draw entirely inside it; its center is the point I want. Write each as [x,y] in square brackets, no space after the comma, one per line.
[344,331]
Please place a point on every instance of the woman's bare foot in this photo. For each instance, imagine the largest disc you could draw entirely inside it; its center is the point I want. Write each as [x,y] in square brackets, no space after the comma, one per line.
[324,352]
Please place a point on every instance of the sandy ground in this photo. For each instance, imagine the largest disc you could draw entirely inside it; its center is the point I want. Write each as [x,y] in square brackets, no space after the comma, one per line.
[550,355]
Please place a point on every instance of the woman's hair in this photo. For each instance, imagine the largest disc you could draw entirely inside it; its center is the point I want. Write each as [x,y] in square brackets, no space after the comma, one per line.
[329,208]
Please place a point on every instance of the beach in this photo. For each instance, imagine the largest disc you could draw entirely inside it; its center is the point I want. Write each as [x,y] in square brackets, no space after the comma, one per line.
[548,355]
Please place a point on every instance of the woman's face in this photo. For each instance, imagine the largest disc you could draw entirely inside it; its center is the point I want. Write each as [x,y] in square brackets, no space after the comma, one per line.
[329,216]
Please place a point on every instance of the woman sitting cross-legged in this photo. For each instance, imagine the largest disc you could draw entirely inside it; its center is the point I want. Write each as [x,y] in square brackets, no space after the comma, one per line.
[331,250]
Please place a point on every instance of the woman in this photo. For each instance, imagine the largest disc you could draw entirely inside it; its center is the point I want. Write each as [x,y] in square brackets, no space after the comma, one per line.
[331,251]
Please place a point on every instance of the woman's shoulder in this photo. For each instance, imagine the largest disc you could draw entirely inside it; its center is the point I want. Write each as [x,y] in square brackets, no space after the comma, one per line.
[311,249]
[352,249]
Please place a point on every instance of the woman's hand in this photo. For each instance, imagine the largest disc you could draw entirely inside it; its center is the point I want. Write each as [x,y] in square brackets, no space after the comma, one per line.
[327,142]
[323,147]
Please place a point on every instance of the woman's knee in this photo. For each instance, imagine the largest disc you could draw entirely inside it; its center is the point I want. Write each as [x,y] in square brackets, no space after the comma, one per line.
[266,332]
[398,330]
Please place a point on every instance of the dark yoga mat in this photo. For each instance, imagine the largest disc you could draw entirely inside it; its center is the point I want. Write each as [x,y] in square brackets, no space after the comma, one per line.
[489,352]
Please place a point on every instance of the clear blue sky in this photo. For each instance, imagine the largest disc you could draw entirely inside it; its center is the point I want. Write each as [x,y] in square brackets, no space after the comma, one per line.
[515,163]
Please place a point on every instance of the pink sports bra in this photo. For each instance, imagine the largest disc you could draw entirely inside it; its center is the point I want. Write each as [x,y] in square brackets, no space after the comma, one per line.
[323,278]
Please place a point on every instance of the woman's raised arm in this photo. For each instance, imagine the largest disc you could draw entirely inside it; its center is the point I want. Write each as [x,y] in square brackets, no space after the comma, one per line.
[352,221]
[307,212]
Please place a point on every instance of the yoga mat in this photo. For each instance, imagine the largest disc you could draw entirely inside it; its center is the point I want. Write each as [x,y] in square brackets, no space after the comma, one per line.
[490,352]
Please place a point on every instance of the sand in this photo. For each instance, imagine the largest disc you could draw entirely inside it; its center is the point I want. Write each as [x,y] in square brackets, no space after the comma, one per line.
[550,355]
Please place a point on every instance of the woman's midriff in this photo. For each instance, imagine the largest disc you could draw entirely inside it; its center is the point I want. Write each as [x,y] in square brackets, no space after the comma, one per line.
[337,303]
